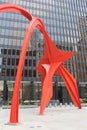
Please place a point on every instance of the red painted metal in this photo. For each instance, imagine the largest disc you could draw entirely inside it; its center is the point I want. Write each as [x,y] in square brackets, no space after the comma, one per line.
[59,57]
[50,64]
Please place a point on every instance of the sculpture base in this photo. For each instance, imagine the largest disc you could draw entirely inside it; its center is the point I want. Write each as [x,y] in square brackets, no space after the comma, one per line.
[14,124]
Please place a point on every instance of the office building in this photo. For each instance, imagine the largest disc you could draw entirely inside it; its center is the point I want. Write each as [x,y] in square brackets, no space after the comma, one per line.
[66,24]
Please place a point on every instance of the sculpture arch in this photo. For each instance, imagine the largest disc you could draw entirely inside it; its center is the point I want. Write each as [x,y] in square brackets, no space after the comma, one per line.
[54,61]
[16,9]
[35,22]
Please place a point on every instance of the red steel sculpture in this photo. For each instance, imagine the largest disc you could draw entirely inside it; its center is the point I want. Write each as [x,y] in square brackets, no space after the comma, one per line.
[50,64]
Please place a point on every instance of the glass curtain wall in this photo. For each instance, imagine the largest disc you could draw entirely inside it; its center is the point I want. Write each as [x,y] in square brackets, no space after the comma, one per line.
[65,22]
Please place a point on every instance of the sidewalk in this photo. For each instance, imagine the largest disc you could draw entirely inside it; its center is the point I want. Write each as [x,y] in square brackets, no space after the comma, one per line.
[54,118]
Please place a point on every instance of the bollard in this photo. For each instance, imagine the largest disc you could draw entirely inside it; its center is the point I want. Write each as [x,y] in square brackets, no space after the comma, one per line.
[61,104]
[66,104]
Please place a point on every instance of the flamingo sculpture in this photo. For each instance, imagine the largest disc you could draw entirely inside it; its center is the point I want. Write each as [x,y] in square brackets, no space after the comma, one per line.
[50,64]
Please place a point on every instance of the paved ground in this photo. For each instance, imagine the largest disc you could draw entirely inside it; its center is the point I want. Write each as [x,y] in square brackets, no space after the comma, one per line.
[54,118]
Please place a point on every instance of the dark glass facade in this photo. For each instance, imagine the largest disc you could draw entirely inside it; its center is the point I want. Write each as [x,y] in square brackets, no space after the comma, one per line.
[66,23]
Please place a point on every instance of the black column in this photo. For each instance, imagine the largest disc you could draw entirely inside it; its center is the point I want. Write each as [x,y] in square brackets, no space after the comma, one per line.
[5,91]
[60,95]
[79,88]
[31,91]
[56,87]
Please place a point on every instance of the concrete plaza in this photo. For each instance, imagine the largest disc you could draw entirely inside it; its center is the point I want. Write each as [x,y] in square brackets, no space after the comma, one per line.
[54,118]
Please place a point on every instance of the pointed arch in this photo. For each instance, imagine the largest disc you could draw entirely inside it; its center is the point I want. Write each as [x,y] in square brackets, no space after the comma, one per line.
[15,99]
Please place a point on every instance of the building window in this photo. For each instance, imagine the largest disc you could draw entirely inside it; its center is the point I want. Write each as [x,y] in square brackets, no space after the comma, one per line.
[30,73]
[30,62]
